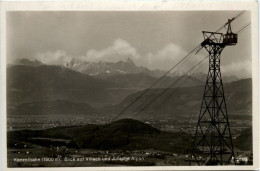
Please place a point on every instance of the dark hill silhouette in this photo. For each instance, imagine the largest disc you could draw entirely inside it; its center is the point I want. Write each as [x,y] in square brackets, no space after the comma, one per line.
[126,134]
[131,126]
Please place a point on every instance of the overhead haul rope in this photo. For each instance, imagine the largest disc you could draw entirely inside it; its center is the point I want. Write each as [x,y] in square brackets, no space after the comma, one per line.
[148,89]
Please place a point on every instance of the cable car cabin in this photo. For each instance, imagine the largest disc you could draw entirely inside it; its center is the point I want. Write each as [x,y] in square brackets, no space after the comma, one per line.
[230,39]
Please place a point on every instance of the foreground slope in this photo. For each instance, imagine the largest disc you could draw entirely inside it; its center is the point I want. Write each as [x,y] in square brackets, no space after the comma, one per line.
[125,134]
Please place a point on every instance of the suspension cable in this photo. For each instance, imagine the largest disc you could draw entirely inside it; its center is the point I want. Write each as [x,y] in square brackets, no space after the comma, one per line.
[238,15]
[148,89]
[144,92]
[243,28]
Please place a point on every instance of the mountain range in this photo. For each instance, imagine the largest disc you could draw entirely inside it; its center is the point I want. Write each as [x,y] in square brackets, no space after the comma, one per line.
[40,89]
[50,83]
[106,70]
[32,81]
[102,69]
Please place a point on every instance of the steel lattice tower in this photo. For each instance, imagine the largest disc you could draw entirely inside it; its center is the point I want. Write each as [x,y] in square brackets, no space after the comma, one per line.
[213,141]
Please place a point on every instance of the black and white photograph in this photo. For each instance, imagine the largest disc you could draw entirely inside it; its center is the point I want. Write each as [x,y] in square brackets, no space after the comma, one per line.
[111,88]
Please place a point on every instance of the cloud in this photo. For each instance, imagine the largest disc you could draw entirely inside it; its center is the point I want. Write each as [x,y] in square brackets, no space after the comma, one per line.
[241,68]
[120,50]
[164,59]
[53,57]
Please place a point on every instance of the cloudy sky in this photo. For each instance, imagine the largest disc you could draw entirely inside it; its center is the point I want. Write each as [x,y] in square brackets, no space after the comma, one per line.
[156,40]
